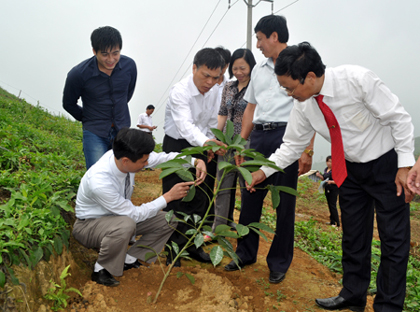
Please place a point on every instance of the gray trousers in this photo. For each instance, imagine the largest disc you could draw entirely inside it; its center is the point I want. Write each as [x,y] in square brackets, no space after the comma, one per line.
[112,234]
[225,204]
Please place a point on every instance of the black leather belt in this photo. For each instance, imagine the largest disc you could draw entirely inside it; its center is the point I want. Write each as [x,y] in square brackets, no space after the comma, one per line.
[270,125]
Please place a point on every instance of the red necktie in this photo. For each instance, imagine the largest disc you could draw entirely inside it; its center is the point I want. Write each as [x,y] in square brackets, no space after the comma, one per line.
[339,170]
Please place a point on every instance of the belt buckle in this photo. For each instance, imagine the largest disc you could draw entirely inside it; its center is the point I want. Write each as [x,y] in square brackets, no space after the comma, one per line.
[267,126]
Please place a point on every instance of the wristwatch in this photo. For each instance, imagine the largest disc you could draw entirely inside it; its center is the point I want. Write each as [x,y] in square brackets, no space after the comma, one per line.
[309,151]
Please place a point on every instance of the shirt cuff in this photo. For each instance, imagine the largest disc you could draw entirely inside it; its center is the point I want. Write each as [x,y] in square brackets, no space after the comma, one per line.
[201,139]
[160,203]
[406,160]
[268,171]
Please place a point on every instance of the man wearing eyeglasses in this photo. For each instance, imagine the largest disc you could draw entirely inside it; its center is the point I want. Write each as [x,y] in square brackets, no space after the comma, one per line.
[372,140]
[264,123]
[105,83]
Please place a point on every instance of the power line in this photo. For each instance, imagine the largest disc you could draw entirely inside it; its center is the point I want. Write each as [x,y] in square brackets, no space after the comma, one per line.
[285,7]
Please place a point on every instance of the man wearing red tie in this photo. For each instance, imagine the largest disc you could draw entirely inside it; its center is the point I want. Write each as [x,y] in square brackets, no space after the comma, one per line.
[372,147]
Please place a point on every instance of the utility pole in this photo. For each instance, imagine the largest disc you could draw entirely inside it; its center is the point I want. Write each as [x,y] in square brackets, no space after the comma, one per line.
[249,31]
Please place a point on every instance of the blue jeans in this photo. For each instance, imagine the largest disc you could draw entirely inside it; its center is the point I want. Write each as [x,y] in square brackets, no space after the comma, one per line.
[95,146]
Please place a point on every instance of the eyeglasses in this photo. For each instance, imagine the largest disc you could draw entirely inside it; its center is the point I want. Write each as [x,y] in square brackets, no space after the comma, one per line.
[291,92]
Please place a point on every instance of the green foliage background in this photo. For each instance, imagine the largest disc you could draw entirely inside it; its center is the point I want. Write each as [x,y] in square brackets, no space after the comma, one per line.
[41,163]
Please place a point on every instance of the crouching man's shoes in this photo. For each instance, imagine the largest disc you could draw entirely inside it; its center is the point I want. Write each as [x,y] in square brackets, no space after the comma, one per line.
[105,278]
[338,303]
[232,266]
[276,277]
[135,265]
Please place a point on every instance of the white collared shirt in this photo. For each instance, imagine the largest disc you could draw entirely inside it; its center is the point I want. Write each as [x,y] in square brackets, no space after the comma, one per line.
[371,118]
[189,114]
[145,120]
[102,191]
[272,103]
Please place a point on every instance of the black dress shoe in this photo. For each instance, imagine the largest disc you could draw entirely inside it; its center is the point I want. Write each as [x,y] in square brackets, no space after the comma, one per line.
[200,255]
[135,265]
[338,303]
[177,263]
[105,278]
[276,277]
[232,266]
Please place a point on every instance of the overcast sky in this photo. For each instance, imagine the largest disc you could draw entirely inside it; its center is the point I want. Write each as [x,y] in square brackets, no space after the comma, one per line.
[42,40]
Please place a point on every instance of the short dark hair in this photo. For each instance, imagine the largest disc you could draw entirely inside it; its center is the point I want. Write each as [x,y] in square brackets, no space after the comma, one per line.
[328,158]
[273,23]
[150,106]
[133,144]
[298,60]
[209,57]
[246,54]
[105,38]
[225,53]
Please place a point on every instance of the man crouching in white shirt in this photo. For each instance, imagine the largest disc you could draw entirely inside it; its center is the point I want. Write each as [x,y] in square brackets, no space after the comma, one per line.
[106,217]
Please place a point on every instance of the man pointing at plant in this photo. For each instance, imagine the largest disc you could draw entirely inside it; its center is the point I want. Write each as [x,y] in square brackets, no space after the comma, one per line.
[106,217]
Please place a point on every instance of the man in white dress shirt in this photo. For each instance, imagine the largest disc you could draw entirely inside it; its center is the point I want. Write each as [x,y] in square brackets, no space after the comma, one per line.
[145,122]
[191,111]
[377,137]
[264,123]
[106,217]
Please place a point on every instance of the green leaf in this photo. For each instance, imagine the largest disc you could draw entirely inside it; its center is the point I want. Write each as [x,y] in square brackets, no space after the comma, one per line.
[229,131]
[58,244]
[15,281]
[219,134]
[275,196]
[190,195]
[246,174]
[198,241]
[175,247]
[221,228]
[225,244]
[2,279]
[185,175]
[168,171]
[242,230]
[287,189]
[179,274]
[197,218]
[169,215]
[191,232]
[191,278]
[216,255]
[149,255]
[259,233]
[225,165]
[228,234]
[261,226]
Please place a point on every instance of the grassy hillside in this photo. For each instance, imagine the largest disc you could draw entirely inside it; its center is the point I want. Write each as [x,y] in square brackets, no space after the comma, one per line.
[41,163]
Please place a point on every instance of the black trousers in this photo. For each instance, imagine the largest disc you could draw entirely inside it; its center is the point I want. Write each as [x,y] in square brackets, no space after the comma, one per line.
[280,255]
[369,187]
[331,193]
[200,202]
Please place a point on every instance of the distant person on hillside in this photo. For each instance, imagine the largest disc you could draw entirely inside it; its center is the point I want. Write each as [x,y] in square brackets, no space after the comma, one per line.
[145,122]
[106,217]
[191,112]
[372,144]
[331,192]
[105,83]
